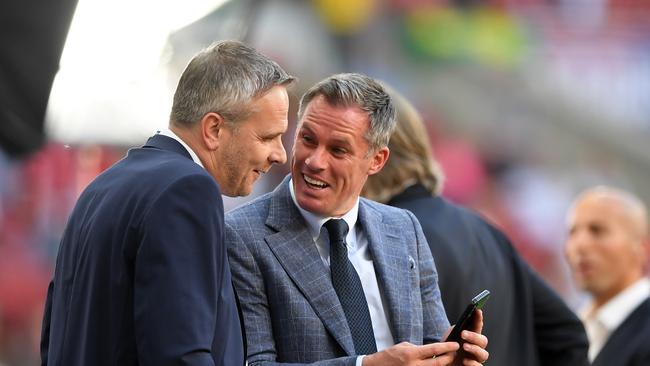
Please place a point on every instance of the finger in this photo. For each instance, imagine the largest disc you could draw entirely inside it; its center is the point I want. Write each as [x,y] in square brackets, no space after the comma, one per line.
[477,321]
[442,360]
[475,353]
[406,344]
[468,362]
[474,338]
[435,349]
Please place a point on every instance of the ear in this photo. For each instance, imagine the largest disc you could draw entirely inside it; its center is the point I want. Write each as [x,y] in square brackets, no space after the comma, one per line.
[643,253]
[378,160]
[212,129]
[645,248]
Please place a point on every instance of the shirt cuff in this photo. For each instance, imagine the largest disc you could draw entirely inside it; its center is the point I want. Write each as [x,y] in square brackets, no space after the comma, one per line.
[360,360]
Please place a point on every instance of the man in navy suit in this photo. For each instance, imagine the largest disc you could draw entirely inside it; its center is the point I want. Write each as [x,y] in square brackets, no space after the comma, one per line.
[327,277]
[142,276]
[607,248]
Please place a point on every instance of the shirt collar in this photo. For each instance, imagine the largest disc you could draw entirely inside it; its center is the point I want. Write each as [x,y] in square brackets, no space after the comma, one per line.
[315,222]
[615,311]
[169,133]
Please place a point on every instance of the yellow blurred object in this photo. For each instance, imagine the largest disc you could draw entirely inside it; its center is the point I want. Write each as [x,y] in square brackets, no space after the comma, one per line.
[346,16]
[486,35]
[496,39]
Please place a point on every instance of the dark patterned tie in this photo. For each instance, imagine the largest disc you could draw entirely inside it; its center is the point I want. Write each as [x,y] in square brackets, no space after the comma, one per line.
[349,290]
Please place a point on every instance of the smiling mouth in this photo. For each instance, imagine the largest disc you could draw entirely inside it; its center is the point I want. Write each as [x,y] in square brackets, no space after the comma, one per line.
[314,183]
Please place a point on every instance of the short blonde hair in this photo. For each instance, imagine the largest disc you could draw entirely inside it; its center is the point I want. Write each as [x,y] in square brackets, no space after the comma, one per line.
[410,161]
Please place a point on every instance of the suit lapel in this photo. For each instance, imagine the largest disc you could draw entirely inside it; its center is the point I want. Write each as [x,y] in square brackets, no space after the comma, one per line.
[391,260]
[296,252]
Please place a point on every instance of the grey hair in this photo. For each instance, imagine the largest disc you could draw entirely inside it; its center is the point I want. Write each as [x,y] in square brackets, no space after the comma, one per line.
[362,91]
[224,78]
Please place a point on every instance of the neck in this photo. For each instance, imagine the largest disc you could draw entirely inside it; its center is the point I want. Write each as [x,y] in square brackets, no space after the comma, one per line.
[192,139]
[602,298]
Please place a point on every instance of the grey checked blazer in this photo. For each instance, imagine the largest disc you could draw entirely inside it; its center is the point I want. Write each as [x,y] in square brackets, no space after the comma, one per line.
[290,309]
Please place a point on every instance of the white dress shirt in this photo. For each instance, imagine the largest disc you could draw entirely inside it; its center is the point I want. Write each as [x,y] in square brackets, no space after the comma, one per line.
[601,322]
[169,133]
[359,255]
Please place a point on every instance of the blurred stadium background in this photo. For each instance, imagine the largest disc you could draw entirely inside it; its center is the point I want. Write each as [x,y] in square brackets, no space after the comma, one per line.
[527,102]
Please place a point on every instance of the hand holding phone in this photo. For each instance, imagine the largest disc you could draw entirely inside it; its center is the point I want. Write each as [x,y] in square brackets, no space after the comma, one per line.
[464,320]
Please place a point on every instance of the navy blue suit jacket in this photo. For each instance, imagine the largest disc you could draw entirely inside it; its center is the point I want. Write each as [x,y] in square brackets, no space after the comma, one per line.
[142,276]
[629,344]
[525,320]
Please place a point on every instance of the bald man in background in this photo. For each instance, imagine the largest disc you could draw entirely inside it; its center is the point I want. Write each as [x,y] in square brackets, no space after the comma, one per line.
[608,248]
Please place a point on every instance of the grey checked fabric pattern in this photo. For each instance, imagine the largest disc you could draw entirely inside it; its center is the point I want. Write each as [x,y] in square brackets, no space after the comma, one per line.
[291,311]
[347,285]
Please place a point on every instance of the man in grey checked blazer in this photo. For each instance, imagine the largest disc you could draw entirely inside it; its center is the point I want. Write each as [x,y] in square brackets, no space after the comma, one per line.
[279,252]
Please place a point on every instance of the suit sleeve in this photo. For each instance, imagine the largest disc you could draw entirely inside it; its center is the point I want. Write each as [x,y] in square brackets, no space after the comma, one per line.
[248,280]
[561,337]
[177,276]
[434,318]
[45,330]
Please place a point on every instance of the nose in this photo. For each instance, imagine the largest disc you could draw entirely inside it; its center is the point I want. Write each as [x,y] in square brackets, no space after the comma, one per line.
[315,161]
[278,154]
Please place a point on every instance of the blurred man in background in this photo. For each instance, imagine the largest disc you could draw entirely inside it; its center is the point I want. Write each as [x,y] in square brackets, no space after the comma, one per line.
[607,248]
[142,276]
[527,323]
[326,277]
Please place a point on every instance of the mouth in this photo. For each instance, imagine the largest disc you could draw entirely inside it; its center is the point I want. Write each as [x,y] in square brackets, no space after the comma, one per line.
[314,183]
[584,268]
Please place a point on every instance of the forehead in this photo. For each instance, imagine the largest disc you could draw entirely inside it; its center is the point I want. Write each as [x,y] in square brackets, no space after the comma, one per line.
[342,119]
[604,209]
[269,111]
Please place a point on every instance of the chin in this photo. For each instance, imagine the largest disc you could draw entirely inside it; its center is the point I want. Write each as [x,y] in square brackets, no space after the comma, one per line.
[309,205]
[245,191]
[236,191]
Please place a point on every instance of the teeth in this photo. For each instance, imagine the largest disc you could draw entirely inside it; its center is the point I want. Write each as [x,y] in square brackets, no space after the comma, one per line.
[315,182]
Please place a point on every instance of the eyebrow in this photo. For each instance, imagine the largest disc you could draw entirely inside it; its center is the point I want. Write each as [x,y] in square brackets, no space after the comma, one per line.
[341,141]
[275,131]
[269,135]
[303,126]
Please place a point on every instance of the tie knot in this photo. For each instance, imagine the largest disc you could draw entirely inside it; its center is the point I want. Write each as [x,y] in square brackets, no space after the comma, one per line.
[337,229]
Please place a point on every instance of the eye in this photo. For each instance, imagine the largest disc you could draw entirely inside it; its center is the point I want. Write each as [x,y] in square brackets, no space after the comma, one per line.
[339,151]
[597,230]
[307,139]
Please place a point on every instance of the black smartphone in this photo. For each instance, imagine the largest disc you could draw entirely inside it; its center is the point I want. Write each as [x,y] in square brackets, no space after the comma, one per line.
[464,321]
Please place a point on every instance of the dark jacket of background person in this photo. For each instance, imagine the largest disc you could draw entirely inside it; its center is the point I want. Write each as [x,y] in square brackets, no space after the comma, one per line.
[526,322]
[93,315]
[628,345]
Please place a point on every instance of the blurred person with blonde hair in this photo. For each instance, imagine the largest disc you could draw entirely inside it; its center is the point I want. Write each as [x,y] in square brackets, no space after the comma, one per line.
[607,247]
[526,321]
[142,274]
